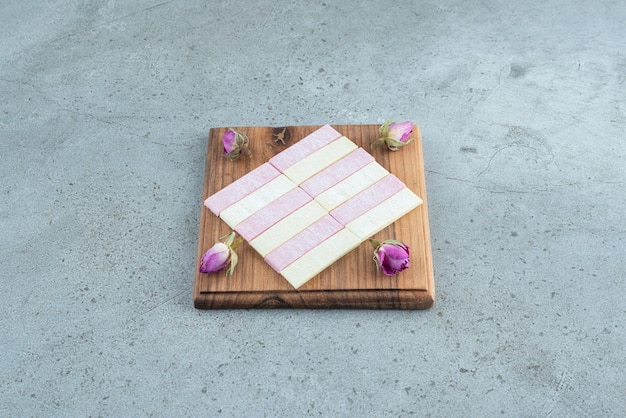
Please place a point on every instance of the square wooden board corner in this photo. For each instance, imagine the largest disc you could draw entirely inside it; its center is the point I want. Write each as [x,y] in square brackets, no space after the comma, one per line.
[353,281]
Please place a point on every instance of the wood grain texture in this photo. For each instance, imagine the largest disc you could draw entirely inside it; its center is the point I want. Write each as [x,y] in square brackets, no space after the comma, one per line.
[352,282]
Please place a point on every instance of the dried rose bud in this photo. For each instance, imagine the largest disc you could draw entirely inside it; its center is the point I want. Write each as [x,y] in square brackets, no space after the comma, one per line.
[391,256]
[395,134]
[215,259]
[235,144]
[220,256]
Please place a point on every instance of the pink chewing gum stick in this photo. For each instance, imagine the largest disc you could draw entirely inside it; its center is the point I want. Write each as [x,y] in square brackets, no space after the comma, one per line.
[367,199]
[336,172]
[264,218]
[241,187]
[309,144]
[302,243]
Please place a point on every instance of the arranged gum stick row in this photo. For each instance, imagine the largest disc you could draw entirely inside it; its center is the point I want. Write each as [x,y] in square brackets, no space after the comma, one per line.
[312,204]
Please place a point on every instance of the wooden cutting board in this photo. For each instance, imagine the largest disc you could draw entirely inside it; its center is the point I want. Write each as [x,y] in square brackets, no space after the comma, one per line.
[353,281]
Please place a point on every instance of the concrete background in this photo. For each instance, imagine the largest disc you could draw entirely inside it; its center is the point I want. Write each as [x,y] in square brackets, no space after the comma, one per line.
[104,117]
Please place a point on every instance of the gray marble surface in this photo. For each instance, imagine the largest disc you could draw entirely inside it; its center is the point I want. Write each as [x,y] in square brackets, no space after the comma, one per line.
[104,118]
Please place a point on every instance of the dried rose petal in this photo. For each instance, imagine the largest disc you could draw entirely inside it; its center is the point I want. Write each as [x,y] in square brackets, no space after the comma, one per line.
[229,141]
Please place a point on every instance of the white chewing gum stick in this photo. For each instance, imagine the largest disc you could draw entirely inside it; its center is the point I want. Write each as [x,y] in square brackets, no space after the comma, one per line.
[336,172]
[319,258]
[302,243]
[241,187]
[384,214]
[351,185]
[288,227]
[256,200]
[374,195]
[306,146]
[319,160]
[272,213]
